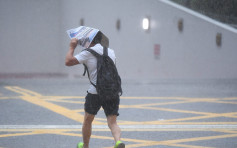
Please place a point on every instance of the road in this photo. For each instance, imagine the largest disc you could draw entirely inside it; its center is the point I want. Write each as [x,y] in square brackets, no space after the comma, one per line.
[48,113]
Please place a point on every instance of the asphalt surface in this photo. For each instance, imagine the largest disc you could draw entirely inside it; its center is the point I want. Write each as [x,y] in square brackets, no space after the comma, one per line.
[48,113]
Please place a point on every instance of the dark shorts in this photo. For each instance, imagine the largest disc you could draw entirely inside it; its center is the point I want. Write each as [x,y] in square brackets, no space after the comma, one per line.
[94,103]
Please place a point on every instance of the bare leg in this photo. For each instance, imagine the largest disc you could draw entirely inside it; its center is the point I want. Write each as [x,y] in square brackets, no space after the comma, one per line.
[115,130]
[86,128]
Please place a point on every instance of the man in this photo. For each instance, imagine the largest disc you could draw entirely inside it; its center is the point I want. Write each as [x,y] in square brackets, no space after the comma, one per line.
[93,103]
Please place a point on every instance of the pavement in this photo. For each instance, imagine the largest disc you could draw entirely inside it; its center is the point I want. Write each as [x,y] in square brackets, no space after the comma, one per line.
[48,113]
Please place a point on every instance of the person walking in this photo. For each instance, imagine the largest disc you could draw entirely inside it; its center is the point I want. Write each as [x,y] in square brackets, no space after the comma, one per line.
[93,102]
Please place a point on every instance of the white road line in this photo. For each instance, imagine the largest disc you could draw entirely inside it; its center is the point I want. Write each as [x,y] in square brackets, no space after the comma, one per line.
[227,126]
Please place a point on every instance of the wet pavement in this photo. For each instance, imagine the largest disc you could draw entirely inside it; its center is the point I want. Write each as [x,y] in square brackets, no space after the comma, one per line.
[48,113]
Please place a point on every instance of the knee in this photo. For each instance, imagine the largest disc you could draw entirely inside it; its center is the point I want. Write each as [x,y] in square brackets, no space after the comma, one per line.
[112,124]
[88,119]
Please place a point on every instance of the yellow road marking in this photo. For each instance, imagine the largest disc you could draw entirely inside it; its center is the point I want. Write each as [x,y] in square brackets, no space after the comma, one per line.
[175,110]
[188,146]
[230,131]
[22,91]
[79,110]
[231,98]
[201,138]
[139,142]
[45,101]
[40,100]
[4,98]
[34,98]
[169,103]
[17,134]
[62,97]
[168,142]
[66,101]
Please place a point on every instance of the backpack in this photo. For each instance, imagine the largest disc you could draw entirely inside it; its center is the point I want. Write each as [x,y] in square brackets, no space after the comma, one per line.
[108,84]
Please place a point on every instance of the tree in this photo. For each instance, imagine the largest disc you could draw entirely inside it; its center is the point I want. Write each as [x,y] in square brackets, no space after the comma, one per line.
[222,10]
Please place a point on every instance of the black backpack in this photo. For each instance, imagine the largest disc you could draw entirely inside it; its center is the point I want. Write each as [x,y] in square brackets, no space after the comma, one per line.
[108,84]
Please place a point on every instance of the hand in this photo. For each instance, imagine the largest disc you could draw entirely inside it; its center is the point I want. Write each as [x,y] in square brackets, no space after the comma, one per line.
[73,43]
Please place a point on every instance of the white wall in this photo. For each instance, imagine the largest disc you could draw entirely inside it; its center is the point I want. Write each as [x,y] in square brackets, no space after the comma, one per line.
[192,53]
[30,42]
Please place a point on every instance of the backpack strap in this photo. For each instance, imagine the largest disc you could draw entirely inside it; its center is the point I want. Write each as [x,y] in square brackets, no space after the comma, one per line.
[105,51]
[93,52]
[85,67]
[86,70]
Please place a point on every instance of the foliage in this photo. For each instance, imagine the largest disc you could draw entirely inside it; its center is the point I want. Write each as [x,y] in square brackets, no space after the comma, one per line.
[222,10]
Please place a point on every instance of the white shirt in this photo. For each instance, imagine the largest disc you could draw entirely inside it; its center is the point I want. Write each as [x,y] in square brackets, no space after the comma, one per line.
[85,57]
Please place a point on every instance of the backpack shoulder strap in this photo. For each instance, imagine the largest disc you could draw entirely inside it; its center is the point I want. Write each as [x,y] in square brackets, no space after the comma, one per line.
[93,52]
[86,70]
[85,67]
[105,51]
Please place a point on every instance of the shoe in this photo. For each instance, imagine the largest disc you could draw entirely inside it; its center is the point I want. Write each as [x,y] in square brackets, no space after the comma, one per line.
[80,145]
[119,144]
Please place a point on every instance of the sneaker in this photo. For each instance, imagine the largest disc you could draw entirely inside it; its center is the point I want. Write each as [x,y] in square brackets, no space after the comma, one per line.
[119,144]
[80,145]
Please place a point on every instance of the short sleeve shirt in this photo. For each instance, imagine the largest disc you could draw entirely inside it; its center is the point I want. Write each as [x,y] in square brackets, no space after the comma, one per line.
[85,57]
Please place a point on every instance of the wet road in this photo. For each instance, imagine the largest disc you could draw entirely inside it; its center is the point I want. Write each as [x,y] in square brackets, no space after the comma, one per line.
[48,113]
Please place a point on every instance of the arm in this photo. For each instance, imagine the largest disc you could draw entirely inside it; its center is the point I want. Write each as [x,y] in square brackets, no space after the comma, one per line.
[70,59]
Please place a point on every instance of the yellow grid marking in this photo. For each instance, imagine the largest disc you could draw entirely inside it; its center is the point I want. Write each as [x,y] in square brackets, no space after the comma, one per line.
[48,102]
[35,98]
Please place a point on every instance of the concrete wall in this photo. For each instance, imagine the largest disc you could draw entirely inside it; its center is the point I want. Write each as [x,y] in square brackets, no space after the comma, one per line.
[192,53]
[30,42]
